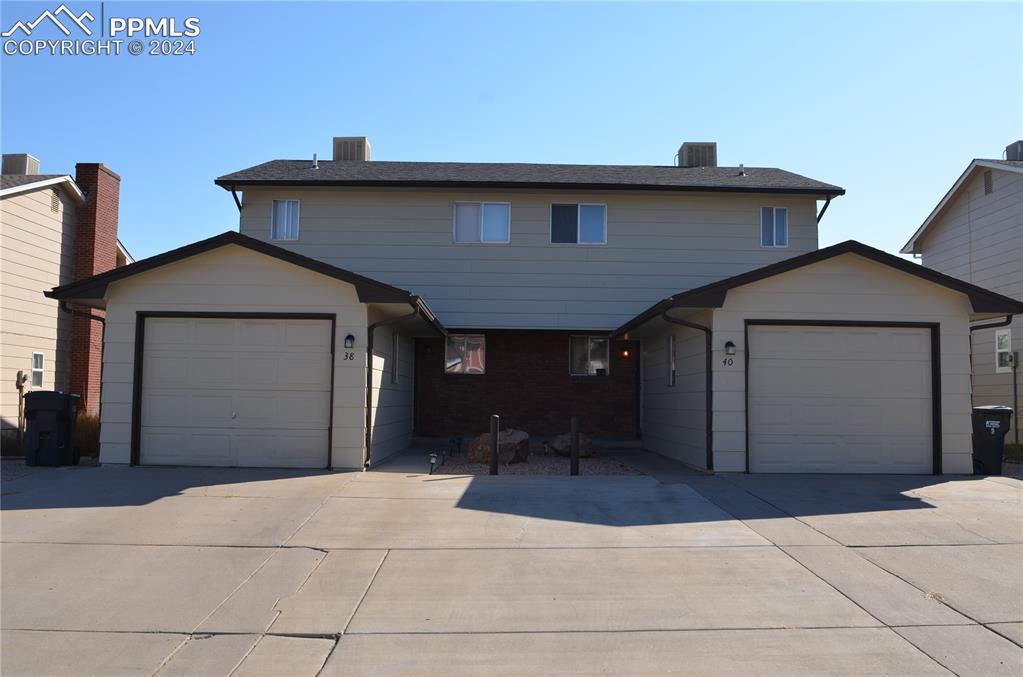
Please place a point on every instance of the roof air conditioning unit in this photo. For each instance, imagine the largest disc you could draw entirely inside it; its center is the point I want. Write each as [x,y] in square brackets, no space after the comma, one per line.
[1014,151]
[698,155]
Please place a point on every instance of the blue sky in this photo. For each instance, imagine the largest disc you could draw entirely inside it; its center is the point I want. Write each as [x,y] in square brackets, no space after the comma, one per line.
[889,101]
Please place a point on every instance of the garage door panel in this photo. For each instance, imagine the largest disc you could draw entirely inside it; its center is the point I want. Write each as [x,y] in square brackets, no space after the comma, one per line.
[839,399]
[227,391]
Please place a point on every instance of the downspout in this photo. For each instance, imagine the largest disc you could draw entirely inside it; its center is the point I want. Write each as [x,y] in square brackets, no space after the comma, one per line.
[367,455]
[1015,390]
[827,202]
[709,387]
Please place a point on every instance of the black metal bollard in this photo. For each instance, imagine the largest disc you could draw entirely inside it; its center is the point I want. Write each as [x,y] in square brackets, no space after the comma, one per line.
[495,428]
[575,446]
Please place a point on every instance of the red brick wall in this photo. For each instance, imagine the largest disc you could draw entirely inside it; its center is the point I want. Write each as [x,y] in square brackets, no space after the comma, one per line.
[95,252]
[528,384]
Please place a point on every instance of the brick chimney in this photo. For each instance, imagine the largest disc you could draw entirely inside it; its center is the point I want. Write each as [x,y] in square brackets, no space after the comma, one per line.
[95,251]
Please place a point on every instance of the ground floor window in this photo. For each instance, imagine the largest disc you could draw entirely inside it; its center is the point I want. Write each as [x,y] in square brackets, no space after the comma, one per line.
[465,354]
[37,370]
[1003,351]
[589,355]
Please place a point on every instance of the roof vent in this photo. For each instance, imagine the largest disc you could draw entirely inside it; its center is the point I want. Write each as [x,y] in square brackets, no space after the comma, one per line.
[20,163]
[698,155]
[1014,151]
[351,148]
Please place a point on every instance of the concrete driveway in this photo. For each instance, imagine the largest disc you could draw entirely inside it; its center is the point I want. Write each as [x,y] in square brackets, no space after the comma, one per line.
[113,571]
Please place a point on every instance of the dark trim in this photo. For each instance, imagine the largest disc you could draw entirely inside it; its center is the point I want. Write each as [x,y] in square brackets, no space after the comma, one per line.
[234,184]
[713,295]
[369,290]
[1004,322]
[708,384]
[140,345]
[935,335]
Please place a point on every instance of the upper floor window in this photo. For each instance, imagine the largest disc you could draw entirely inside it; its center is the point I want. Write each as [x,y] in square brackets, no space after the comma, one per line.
[774,227]
[589,355]
[482,222]
[1003,351]
[579,224]
[465,354]
[284,220]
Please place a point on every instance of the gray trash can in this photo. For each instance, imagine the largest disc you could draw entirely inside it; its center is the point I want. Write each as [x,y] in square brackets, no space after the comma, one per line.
[50,428]
[990,425]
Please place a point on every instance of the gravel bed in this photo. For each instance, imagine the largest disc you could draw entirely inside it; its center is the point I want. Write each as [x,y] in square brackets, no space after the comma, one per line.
[539,465]
[1012,469]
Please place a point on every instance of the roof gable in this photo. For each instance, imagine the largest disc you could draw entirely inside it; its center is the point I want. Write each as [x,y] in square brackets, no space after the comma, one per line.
[15,184]
[1015,166]
[713,295]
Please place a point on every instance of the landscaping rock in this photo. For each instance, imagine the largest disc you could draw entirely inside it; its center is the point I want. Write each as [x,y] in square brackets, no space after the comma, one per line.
[562,445]
[512,447]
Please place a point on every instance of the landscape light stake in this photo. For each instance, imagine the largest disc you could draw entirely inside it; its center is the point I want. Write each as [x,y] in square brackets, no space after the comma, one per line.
[575,446]
[495,426]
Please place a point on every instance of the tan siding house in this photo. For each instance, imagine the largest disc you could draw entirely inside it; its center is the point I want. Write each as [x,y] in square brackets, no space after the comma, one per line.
[685,307]
[976,234]
[37,229]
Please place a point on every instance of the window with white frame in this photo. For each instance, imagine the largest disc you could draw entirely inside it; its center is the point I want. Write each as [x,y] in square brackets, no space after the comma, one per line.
[579,224]
[284,220]
[394,357]
[774,227]
[37,370]
[465,354]
[482,222]
[589,355]
[671,359]
[1003,351]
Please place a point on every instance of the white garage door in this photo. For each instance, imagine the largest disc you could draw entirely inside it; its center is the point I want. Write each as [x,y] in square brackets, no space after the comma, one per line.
[236,392]
[840,399]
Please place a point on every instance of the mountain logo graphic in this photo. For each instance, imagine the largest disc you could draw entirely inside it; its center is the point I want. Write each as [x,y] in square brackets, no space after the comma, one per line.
[78,20]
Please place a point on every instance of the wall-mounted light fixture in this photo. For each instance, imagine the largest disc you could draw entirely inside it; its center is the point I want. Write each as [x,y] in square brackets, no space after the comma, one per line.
[349,341]
[729,348]
[625,353]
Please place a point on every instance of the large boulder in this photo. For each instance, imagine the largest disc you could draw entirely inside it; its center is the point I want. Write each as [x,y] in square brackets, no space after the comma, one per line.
[562,445]
[512,447]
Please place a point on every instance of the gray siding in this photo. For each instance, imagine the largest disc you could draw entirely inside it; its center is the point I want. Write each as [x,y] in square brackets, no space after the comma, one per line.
[675,417]
[658,244]
[979,238]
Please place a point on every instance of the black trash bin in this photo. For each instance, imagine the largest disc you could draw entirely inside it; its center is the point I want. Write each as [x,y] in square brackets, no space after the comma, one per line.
[990,425]
[50,428]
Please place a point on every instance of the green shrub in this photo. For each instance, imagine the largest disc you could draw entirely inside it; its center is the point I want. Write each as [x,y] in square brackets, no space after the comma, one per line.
[87,435]
[1013,453]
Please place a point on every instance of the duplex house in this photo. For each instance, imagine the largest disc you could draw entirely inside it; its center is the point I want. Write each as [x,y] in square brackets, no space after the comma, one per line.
[686,306]
[54,229]
[976,233]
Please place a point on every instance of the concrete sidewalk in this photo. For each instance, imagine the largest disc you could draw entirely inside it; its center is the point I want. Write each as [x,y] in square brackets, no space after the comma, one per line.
[204,571]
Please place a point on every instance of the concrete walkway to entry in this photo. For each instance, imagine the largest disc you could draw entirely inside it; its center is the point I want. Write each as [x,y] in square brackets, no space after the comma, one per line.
[175,571]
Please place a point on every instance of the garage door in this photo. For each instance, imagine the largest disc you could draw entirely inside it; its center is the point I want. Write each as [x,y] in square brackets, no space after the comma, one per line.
[840,399]
[236,392]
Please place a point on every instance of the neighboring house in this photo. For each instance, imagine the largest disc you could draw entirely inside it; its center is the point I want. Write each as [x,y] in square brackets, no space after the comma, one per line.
[54,229]
[976,233]
[294,342]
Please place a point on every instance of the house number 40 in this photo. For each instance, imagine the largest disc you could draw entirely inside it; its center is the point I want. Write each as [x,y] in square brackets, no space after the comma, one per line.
[728,361]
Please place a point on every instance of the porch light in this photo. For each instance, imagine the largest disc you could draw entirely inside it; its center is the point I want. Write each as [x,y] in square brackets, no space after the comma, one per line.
[349,341]
[729,348]
[625,353]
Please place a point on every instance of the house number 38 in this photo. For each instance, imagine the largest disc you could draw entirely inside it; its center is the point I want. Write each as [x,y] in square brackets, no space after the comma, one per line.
[349,356]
